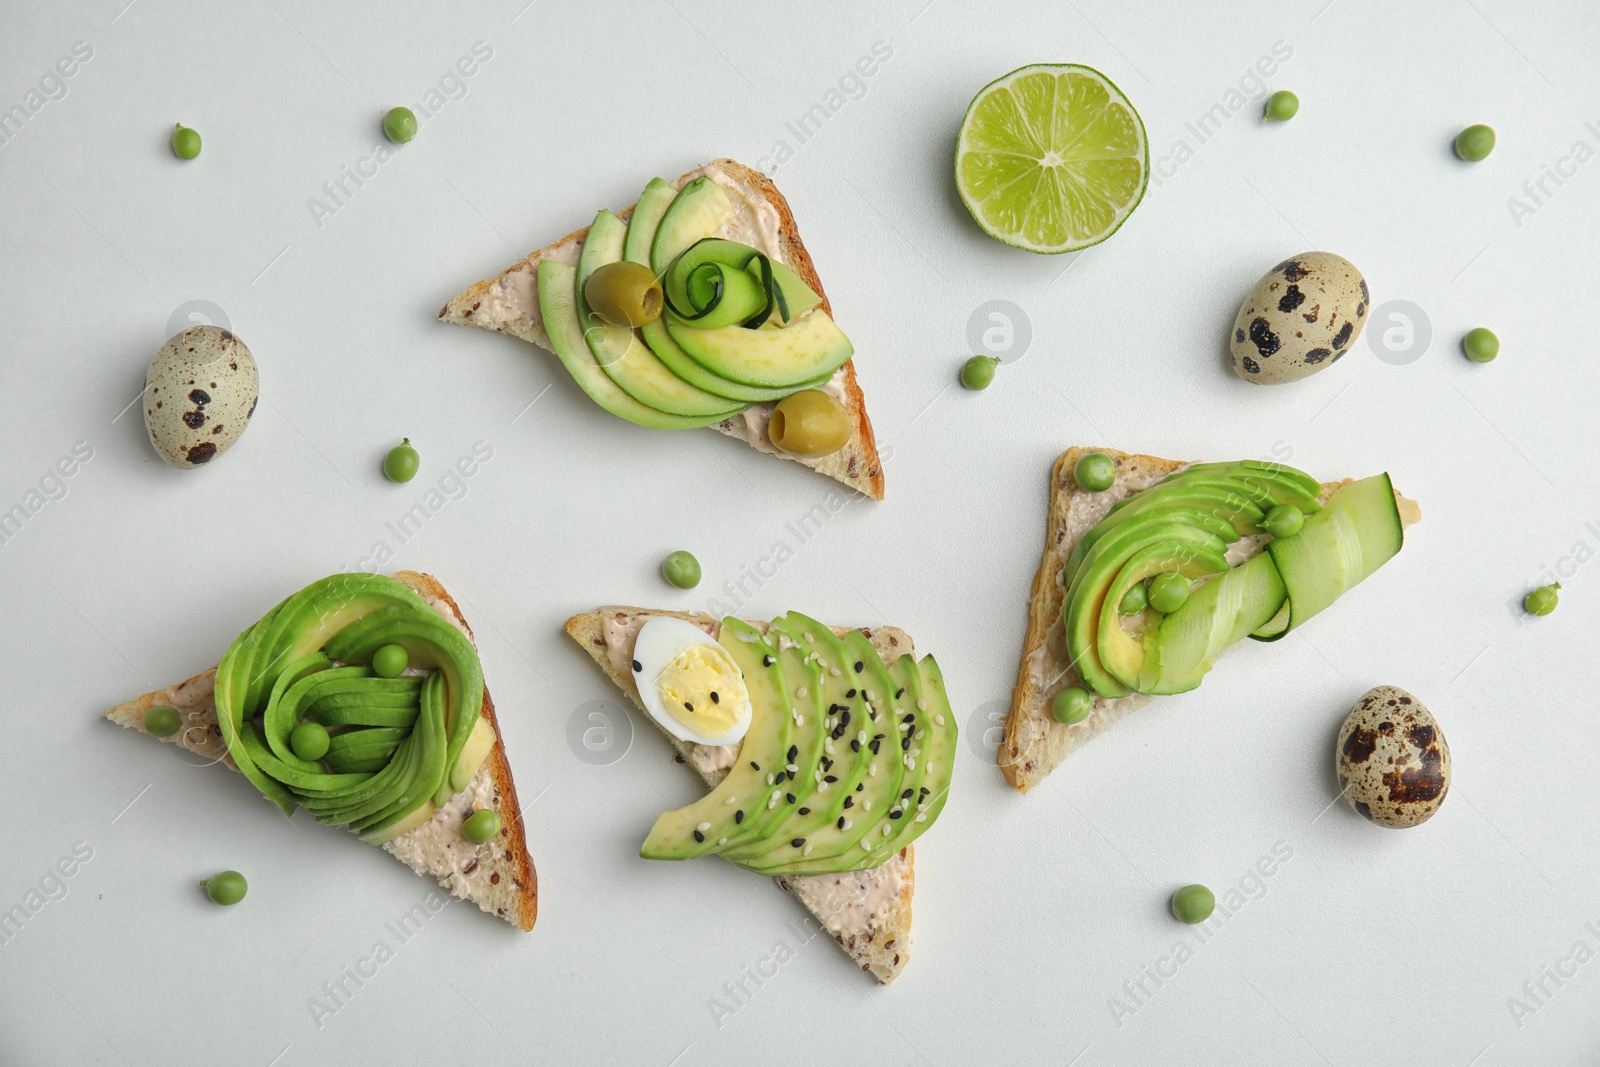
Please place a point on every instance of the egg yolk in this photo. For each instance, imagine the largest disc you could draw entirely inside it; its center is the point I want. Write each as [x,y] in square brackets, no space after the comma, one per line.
[702,689]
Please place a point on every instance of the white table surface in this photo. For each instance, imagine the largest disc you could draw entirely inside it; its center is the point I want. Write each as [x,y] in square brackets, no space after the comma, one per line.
[1034,916]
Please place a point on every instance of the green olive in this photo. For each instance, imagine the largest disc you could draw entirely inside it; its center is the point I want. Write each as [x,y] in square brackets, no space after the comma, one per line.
[162,721]
[1073,704]
[624,293]
[390,661]
[309,740]
[809,423]
[1095,471]
[229,887]
[480,826]
[1193,904]
[1543,600]
[1168,591]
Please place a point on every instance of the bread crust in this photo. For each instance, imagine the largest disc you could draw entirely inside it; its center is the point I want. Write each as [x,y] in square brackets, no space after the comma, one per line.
[881,946]
[857,465]
[514,892]
[1035,743]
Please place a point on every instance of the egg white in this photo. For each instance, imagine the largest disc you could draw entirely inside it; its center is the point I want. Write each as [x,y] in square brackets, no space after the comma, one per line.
[659,642]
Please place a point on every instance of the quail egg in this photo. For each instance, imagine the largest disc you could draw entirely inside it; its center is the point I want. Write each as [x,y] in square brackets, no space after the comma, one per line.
[1392,760]
[1301,317]
[689,684]
[199,394]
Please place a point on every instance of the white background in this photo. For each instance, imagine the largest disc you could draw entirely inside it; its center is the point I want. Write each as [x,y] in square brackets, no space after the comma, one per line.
[1367,946]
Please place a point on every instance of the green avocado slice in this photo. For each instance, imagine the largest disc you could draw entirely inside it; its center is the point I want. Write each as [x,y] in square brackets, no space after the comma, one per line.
[841,767]
[678,361]
[938,760]
[558,307]
[1120,652]
[646,220]
[699,210]
[618,349]
[715,821]
[806,349]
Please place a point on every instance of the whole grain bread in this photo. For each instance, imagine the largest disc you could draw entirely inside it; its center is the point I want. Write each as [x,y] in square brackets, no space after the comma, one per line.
[856,465]
[1035,743]
[498,875]
[878,938]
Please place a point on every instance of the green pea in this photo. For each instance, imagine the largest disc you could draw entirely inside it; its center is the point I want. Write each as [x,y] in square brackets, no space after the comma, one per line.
[162,721]
[1135,600]
[480,826]
[309,740]
[1168,591]
[681,569]
[1193,904]
[1475,143]
[185,142]
[1095,471]
[390,661]
[1543,600]
[1071,705]
[1282,106]
[978,372]
[229,887]
[1480,345]
[1284,520]
[400,465]
[399,124]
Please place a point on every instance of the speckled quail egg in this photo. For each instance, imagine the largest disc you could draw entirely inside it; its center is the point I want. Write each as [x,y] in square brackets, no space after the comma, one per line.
[1392,760]
[199,395]
[1301,317]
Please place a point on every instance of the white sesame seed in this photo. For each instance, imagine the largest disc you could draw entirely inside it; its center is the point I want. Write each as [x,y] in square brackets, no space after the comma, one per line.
[730,800]
[867,845]
[868,692]
[831,722]
[920,818]
[938,720]
[791,767]
[834,671]
[827,746]
[801,692]
[918,735]
[772,801]
[866,805]
[770,779]
[886,829]
[922,705]
[806,851]
[703,827]
[847,825]
[861,737]
[915,752]
[822,787]
[722,841]
[872,769]
[809,638]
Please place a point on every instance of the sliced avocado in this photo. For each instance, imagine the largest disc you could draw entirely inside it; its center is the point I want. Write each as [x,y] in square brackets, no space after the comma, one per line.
[678,361]
[699,210]
[809,348]
[841,767]
[938,760]
[715,821]
[1280,472]
[806,749]
[1216,615]
[1358,531]
[1119,652]
[1121,524]
[827,847]
[618,349]
[646,220]
[558,306]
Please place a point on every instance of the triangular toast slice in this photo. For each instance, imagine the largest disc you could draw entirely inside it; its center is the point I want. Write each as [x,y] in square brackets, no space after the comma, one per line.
[1035,743]
[867,912]
[509,304]
[498,876]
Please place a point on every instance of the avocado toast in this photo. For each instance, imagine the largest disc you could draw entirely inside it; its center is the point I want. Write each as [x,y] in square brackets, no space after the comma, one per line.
[1056,657]
[667,374]
[423,828]
[825,803]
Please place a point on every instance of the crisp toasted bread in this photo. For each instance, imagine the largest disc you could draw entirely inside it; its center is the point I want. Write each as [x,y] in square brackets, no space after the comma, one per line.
[1035,743]
[867,912]
[508,304]
[497,876]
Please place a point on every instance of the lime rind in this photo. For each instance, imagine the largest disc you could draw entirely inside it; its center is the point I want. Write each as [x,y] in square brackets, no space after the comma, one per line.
[1051,158]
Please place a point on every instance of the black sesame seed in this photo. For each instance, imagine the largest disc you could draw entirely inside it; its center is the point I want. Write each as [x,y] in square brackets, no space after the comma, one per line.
[829,778]
[637,666]
[905,795]
[714,698]
[909,718]
[837,707]
[898,693]
[860,666]
[844,720]
[698,836]
[924,791]
[738,816]
[789,797]
[896,813]
[838,732]
[877,737]
[851,693]
[754,765]
[840,823]
[905,743]
[794,750]
[855,746]
[798,842]
[849,802]
[767,661]
[687,706]
[874,745]
[860,786]
[827,763]
[805,811]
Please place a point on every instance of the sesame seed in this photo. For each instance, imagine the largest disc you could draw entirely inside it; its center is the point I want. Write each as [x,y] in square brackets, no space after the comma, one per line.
[938,720]
[855,745]
[866,805]
[721,841]
[771,780]
[738,816]
[920,818]
[827,746]
[805,811]
[898,693]
[906,794]
[829,778]
[895,814]
[794,750]
[918,734]
[754,765]
[789,797]
[844,720]
[806,851]
[687,706]
[798,842]
[801,692]
[922,705]
[862,785]
[637,666]
[792,768]
[909,717]
[698,836]
[731,800]
[834,671]
[767,661]
[867,845]
[849,801]
[850,694]
[703,827]
[822,787]
[772,801]
[715,699]
[874,745]
[905,743]
[886,829]
[860,666]
[827,764]
[809,638]
[840,823]
[872,770]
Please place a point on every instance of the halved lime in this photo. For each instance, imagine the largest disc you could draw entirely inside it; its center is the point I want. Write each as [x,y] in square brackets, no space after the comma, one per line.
[1051,158]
